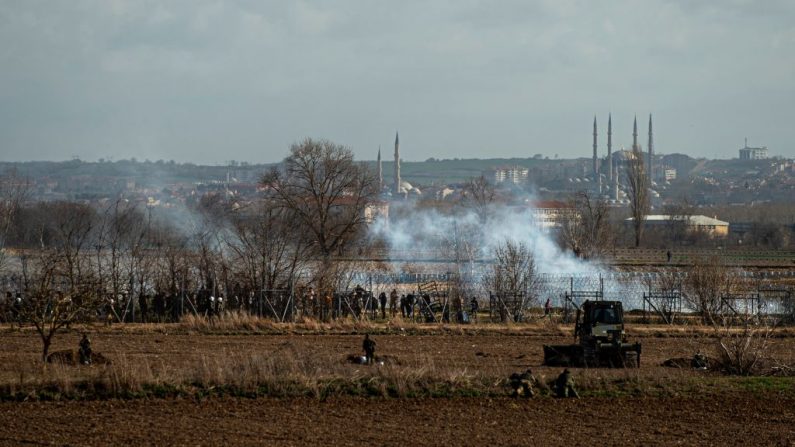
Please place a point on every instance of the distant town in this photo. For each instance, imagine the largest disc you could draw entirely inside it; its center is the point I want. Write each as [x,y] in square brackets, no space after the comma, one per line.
[752,178]
[727,197]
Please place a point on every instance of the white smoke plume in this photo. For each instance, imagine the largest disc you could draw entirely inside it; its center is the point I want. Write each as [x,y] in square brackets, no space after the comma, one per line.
[466,236]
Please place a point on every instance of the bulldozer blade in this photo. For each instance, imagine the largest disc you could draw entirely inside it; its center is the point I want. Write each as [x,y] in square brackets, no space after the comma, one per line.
[564,355]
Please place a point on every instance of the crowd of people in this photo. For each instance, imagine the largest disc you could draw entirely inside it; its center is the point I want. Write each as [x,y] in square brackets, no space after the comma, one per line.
[281,305]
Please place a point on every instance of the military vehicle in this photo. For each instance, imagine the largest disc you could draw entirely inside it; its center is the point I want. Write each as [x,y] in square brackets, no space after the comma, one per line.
[599,338]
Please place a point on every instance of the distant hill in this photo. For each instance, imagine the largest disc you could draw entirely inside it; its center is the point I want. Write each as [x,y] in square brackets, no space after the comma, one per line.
[456,170]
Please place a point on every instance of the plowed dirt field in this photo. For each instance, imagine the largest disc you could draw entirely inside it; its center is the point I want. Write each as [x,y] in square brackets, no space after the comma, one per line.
[705,417]
[741,420]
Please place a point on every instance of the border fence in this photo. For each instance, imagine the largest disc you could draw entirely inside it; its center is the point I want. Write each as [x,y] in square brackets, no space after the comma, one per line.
[433,298]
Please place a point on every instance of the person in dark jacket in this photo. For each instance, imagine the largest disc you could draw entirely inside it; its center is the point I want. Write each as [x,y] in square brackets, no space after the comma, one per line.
[369,349]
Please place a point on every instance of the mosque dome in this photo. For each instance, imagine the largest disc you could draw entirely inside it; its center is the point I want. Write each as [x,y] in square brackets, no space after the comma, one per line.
[406,187]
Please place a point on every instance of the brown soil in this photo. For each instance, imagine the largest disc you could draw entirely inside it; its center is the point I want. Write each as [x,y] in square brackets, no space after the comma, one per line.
[728,420]
[495,354]
[709,418]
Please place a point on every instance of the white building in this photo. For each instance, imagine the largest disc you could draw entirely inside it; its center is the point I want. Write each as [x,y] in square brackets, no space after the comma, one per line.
[753,153]
[696,223]
[550,214]
[511,174]
[377,209]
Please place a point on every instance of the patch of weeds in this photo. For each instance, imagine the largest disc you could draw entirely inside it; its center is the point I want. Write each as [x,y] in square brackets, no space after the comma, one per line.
[785,385]
[161,390]
[611,393]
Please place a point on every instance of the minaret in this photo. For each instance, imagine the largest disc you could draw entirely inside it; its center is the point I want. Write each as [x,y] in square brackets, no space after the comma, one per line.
[595,155]
[615,181]
[650,148]
[635,146]
[610,146]
[397,164]
[380,172]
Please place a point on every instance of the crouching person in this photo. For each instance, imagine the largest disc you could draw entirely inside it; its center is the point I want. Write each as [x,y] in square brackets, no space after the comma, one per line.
[369,349]
[564,385]
[522,384]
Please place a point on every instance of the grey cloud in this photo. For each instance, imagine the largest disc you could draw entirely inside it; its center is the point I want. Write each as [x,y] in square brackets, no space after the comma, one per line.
[210,81]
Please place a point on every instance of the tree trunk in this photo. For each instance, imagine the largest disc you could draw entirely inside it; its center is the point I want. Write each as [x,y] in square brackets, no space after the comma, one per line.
[638,230]
[45,348]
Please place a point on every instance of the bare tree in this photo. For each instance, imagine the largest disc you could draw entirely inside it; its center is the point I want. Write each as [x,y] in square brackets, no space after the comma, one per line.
[478,196]
[463,243]
[587,230]
[668,280]
[512,277]
[665,293]
[123,251]
[59,281]
[170,270]
[707,281]
[638,189]
[13,191]
[742,350]
[765,233]
[142,261]
[324,193]
[677,225]
[741,340]
[267,245]
[207,255]
[113,229]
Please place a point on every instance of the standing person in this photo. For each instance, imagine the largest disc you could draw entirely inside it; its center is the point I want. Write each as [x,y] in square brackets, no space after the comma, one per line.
[373,300]
[393,302]
[393,299]
[358,298]
[16,308]
[159,304]
[309,310]
[143,305]
[84,351]
[328,302]
[669,255]
[210,309]
[369,349]
[219,305]
[547,308]
[109,312]
[382,299]
[473,307]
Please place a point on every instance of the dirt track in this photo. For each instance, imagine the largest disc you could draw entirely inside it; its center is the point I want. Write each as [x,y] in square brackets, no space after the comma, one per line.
[743,420]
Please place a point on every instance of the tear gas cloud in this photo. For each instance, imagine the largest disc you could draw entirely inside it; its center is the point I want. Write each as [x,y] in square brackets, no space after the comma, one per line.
[467,236]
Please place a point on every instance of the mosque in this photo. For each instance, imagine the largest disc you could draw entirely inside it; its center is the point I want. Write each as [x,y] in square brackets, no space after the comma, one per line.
[616,162]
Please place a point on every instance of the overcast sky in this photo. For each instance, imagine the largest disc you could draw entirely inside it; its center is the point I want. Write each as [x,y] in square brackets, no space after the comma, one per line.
[209,82]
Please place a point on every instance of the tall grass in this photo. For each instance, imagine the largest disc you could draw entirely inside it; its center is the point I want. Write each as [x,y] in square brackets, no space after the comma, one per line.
[283,374]
[242,322]
[287,374]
